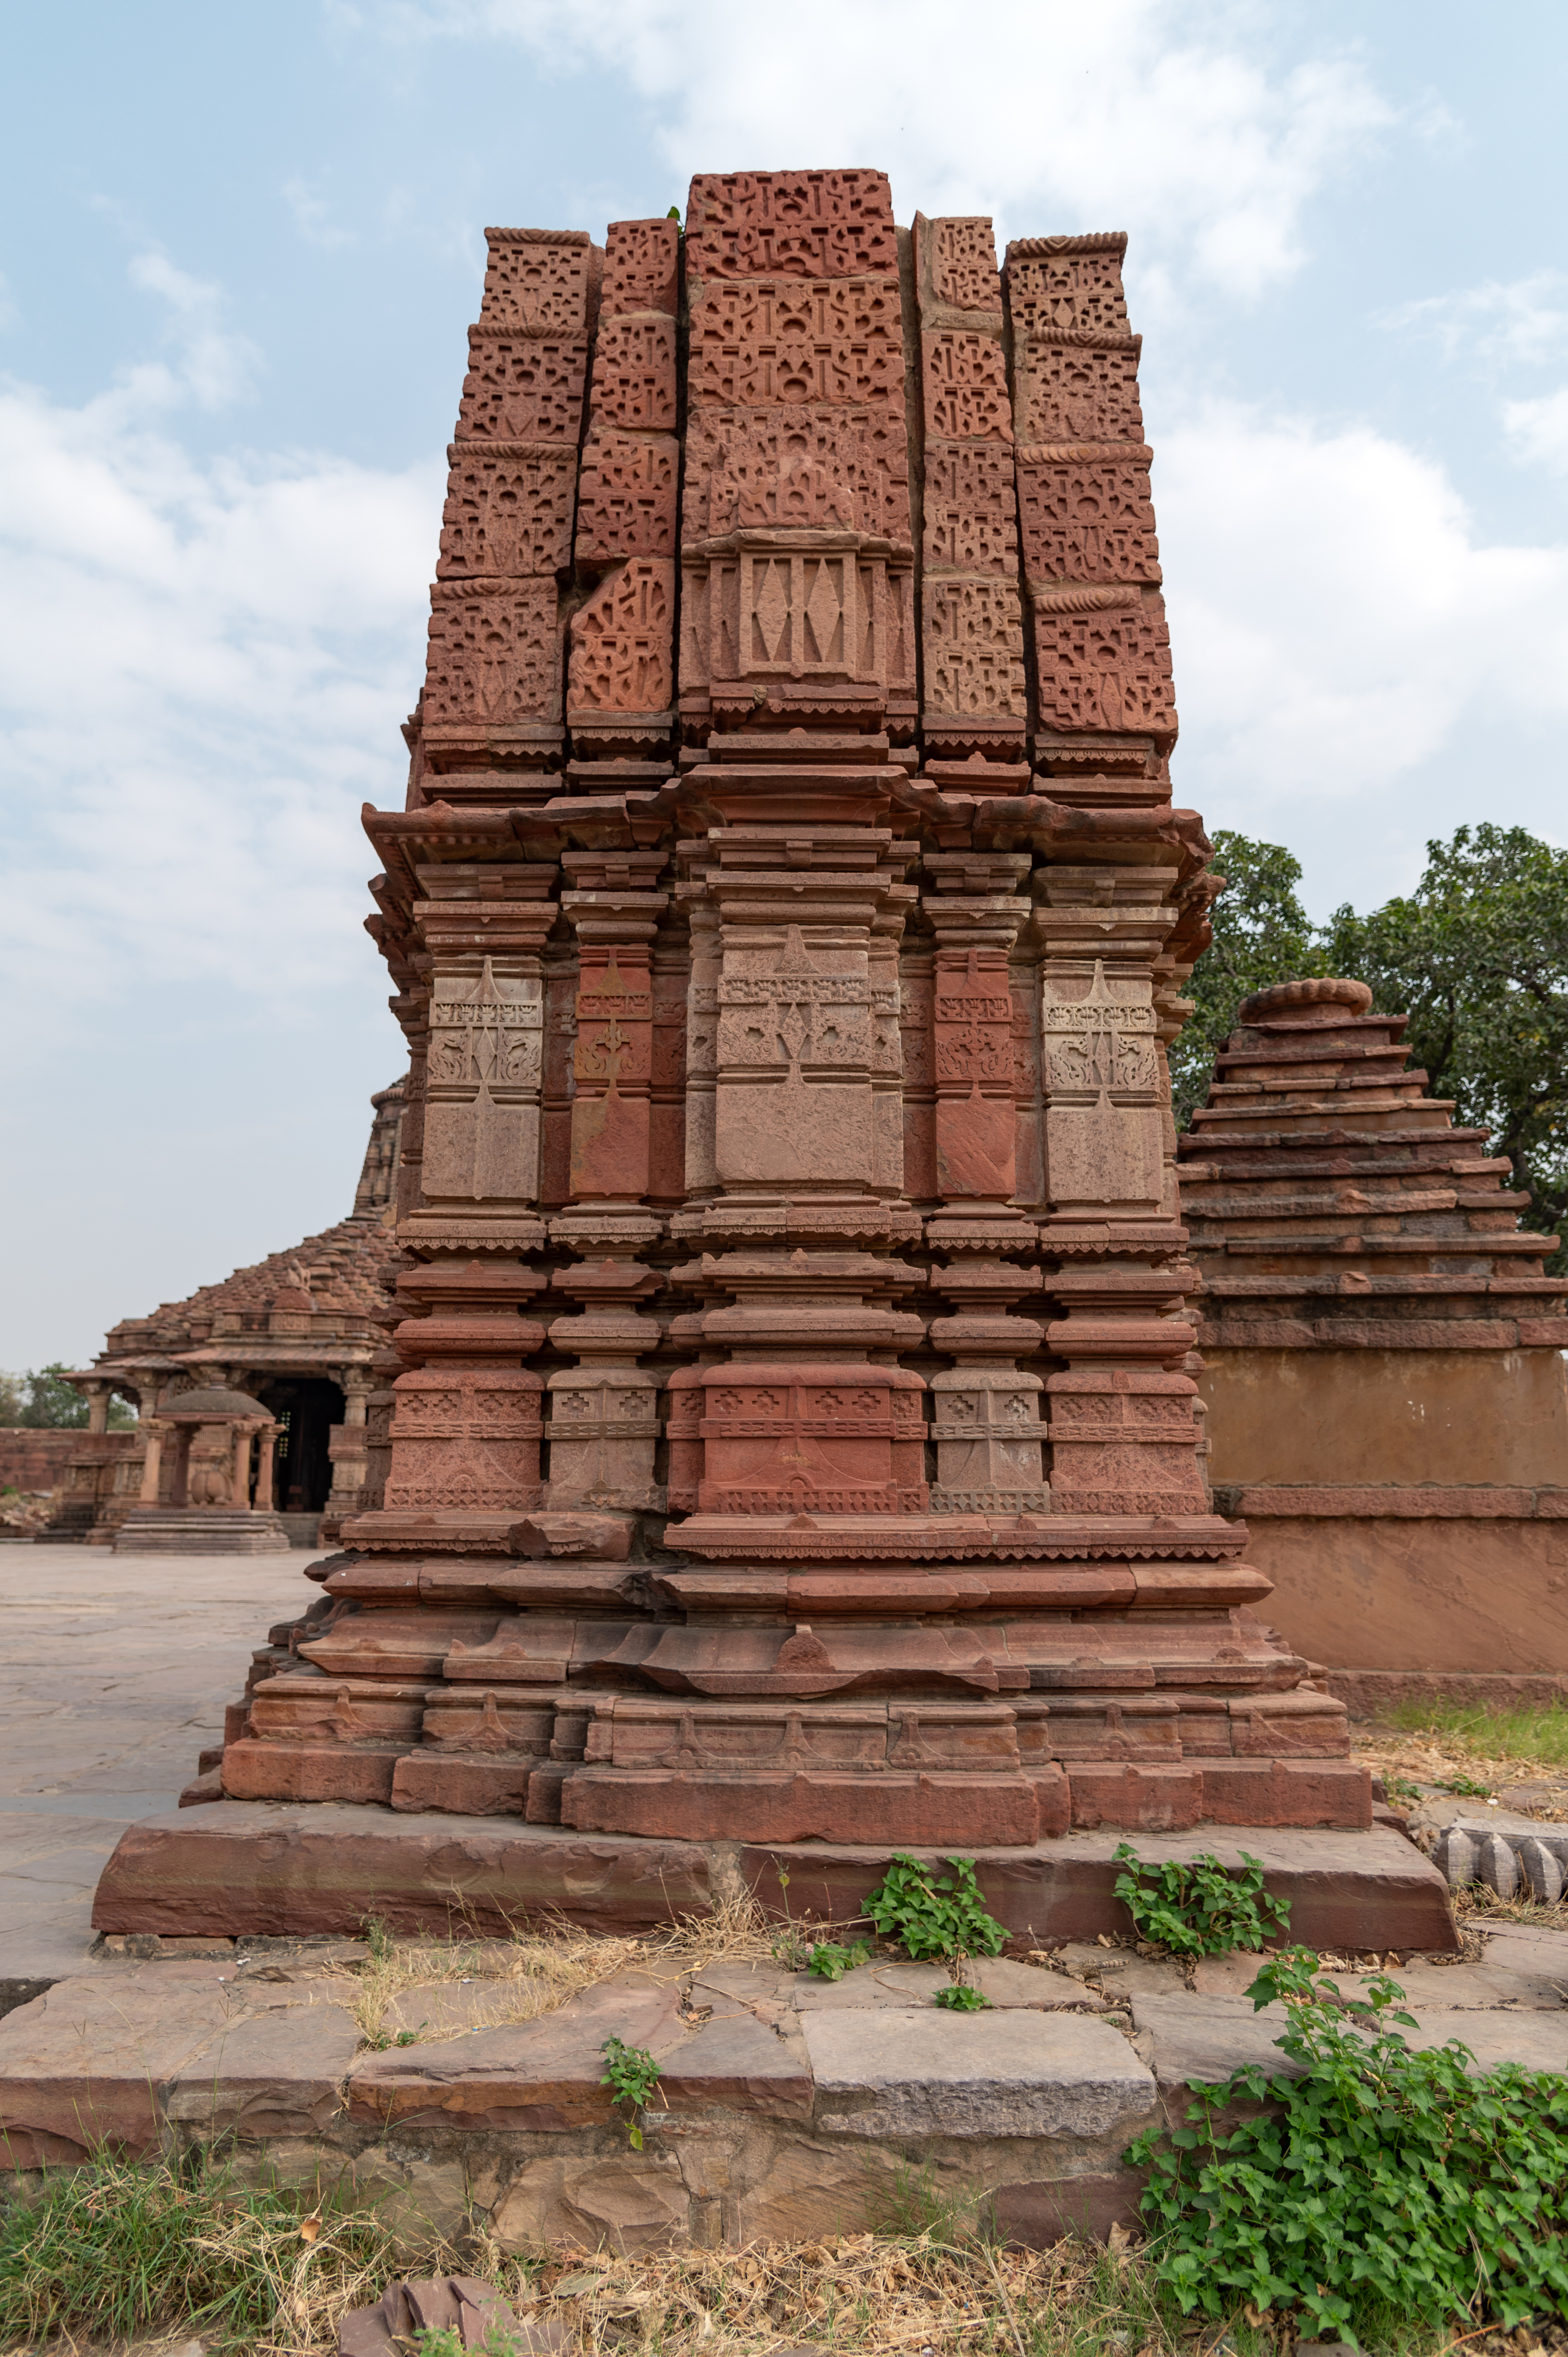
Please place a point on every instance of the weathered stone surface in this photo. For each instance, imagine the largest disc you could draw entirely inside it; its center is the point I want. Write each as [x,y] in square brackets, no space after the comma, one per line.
[1345,1891]
[1199,2041]
[1004,1984]
[537,2074]
[323,1869]
[81,2065]
[735,2063]
[472,2310]
[1037,2212]
[274,2073]
[903,2072]
[1418,1541]
[637,2202]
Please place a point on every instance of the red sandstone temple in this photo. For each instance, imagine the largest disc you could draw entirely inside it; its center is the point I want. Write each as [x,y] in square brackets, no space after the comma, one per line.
[1383,1359]
[795,1434]
[290,1346]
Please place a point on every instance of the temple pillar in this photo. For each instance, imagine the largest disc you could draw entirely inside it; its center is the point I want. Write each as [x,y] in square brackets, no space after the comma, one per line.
[152,1463]
[243,1436]
[98,1398]
[266,1444]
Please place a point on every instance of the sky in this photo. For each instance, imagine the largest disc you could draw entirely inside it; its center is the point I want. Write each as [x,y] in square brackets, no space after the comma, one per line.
[239,248]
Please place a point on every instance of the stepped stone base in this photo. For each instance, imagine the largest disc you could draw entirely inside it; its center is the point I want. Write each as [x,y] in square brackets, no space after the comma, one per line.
[200,1530]
[237,1868]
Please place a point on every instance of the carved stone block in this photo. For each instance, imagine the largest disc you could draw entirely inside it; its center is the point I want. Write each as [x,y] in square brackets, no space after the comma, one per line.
[1067,294]
[956,262]
[538,279]
[974,648]
[634,375]
[1086,517]
[642,267]
[466,1438]
[970,510]
[794,464]
[770,611]
[495,651]
[798,224]
[830,1439]
[508,509]
[1066,392]
[623,651]
[626,499]
[523,388]
[1107,670]
[765,341]
[965,385]
[603,1430]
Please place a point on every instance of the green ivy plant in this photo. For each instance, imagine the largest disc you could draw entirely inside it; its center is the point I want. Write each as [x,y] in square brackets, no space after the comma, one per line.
[962,1997]
[1381,2180]
[632,2073]
[829,1962]
[1197,1907]
[932,1916]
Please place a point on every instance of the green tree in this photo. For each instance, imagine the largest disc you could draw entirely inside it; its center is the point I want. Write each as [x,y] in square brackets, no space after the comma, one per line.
[43,1397]
[1262,935]
[1477,956]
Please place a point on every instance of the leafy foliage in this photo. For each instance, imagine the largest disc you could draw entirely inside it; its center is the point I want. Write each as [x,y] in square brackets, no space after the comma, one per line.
[41,1400]
[962,1997]
[1384,2179]
[932,1916]
[1262,935]
[1477,955]
[632,2073]
[1198,1906]
[829,1961]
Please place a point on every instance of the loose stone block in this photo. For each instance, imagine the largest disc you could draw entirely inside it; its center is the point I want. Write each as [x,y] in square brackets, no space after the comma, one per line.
[897,2073]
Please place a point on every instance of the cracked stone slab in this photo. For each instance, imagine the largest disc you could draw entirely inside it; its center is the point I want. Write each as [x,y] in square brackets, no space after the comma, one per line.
[1006,1985]
[736,2062]
[83,2063]
[275,2073]
[1019,2072]
[534,2074]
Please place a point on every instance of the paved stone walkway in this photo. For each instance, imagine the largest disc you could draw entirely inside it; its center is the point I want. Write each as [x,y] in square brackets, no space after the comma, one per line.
[118,1668]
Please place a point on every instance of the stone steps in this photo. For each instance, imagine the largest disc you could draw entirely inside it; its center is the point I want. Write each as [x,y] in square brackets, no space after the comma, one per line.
[785,2107]
[233,1868]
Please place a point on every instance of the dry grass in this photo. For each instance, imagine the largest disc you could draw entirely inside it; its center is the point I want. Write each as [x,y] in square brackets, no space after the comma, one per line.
[534,1972]
[1445,1744]
[872,2294]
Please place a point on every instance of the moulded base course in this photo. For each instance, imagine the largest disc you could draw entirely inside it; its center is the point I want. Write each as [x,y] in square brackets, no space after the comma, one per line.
[929,1805]
[247,1868]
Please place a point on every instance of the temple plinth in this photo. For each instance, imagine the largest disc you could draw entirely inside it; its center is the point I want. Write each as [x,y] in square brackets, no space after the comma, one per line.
[795,1436]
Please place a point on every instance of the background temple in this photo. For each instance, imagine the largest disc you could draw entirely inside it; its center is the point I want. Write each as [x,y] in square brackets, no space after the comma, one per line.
[297,1333]
[1387,1397]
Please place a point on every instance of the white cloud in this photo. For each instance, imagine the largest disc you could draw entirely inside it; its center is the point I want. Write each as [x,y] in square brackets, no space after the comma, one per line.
[214,367]
[202,667]
[1336,622]
[1539,429]
[312,219]
[1502,324]
[1126,115]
